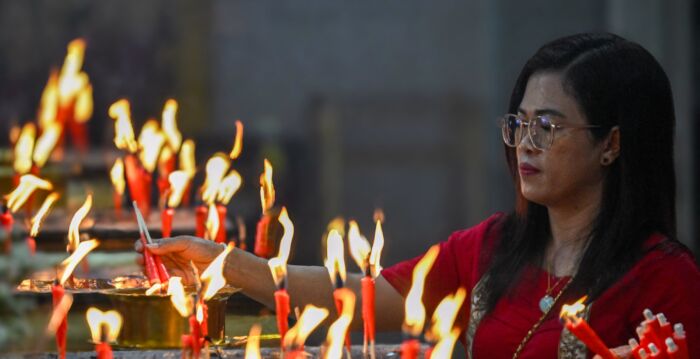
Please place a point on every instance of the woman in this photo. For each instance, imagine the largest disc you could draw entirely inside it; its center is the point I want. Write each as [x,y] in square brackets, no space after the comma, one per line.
[589,143]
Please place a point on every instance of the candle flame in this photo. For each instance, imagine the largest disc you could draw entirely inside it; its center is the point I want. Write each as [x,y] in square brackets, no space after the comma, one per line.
[169,124]
[337,224]
[229,186]
[267,188]
[59,312]
[84,104]
[212,224]
[74,227]
[155,288]
[252,347]
[359,246]
[48,105]
[41,214]
[309,319]
[377,246]
[72,261]
[446,345]
[71,79]
[151,140]
[27,185]
[124,138]
[187,159]
[278,264]
[180,301]
[238,141]
[15,130]
[200,314]
[116,174]
[335,258]
[414,309]
[24,149]
[46,143]
[98,320]
[213,276]
[446,313]
[178,184]
[338,330]
[216,168]
[572,310]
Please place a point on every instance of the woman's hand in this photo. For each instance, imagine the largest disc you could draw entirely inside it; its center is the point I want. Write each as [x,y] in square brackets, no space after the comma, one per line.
[178,252]
[623,352]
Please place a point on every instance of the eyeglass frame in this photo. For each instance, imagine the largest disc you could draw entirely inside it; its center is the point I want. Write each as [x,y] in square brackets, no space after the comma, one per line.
[553,126]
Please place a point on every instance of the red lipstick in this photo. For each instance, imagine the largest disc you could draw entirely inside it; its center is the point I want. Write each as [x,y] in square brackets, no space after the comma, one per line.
[527,169]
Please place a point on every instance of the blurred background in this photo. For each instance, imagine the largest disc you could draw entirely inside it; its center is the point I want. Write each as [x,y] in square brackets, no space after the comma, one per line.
[358,105]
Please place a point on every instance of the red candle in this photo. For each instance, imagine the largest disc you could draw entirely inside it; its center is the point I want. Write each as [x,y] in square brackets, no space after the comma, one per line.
[585,334]
[221,234]
[368,308]
[195,336]
[166,217]
[57,293]
[200,218]
[282,309]
[133,171]
[7,220]
[117,198]
[410,348]
[338,298]
[31,245]
[104,351]
[263,246]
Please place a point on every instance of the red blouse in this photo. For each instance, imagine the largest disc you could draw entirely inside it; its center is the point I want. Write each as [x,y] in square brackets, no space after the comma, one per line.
[660,281]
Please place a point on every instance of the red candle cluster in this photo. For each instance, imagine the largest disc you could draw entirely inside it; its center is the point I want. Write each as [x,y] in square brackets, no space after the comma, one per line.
[658,339]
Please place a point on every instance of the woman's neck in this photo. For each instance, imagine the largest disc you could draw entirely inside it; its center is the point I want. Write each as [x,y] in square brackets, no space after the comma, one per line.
[570,227]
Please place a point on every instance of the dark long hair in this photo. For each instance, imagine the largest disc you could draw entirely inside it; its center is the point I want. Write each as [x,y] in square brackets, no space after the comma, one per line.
[616,83]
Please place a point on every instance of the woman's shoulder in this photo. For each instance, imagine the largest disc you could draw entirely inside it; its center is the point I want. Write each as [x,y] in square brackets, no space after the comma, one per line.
[486,231]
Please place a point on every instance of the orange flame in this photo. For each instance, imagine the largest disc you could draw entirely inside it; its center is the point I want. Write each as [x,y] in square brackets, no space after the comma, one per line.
[414,309]
[41,214]
[24,149]
[74,227]
[178,184]
[213,276]
[571,311]
[72,261]
[15,130]
[169,125]
[124,138]
[180,301]
[278,264]
[359,246]
[48,105]
[252,347]
[71,80]
[309,319]
[446,313]
[187,159]
[337,331]
[377,246]
[446,345]
[116,174]
[238,142]
[229,186]
[216,168]
[151,140]
[27,185]
[46,143]
[200,314]
[84,104]
[335,257]
[212,224]
[267,188]
[97,320]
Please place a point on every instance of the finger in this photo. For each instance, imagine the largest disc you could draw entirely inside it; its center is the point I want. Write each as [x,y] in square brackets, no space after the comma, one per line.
[170,245]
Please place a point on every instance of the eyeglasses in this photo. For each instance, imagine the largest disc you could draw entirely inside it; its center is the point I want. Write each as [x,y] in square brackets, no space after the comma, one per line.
[540,130]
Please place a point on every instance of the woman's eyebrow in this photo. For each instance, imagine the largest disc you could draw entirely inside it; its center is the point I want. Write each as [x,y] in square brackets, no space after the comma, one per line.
[544,111]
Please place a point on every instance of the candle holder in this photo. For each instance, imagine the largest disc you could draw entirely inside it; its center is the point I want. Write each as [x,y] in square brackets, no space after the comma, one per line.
[151,321]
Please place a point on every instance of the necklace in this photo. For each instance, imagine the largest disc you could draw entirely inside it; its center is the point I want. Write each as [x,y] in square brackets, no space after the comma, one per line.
[540,321]
[546,302]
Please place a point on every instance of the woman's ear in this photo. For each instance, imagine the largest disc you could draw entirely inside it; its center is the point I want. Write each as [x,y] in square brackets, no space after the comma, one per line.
[611,147]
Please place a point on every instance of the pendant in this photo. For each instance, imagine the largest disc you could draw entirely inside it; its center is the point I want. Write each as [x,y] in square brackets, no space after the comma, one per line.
[546,303]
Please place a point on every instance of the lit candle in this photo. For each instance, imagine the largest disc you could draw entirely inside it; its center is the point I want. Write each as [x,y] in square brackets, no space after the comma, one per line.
[414,311]
[293,341]
[338,331]
[82,114]
[441,331]
[57,293]
[7,221]
[221,232]
[38,218]
[278,268]
[200,215]
[252,347]
[187,163]
[583,331]
[104,328]
[264,245]
[335,263]
[116,175]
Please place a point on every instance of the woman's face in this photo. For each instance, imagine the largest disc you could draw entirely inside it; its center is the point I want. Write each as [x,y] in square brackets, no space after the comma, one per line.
[570,171]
